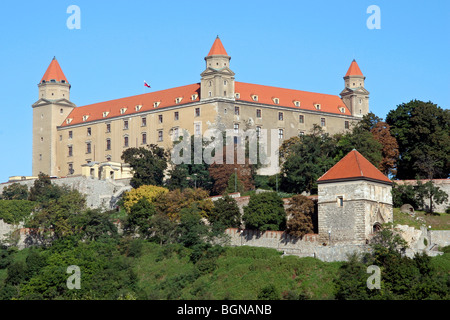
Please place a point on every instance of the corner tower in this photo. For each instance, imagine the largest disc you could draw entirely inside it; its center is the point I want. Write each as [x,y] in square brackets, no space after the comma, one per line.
[217,80]
[49,112]
[355,96]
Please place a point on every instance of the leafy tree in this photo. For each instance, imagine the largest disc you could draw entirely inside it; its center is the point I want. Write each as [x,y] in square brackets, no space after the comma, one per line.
[431,193]
[15,211]
[234,184]
[139,218]
[96,224]
[381,133]
[307,159]
[422,130]
[350,283]
[164,230]
[43,190]
[405,194]
[15,191]
[192,230]
[265,211]
[369,121]
[149,192]
[225,213]
[148,165]
[221,172]
[301,216]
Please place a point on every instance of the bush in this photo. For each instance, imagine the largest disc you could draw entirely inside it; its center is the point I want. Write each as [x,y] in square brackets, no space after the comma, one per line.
[265,211]
[14,211]
[149,192]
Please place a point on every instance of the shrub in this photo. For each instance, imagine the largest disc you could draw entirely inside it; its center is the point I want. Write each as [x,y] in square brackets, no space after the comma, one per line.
[149,192]
[265,211]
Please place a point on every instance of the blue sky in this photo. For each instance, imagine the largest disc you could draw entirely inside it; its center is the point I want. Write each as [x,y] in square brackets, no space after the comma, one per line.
[305,45]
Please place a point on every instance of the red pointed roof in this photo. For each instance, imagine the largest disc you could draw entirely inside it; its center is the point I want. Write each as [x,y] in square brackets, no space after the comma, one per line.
[54,72]
[353,167]
[354,69]
[217,48]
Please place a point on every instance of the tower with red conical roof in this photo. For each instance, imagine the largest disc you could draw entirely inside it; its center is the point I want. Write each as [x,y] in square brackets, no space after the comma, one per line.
[49,112]
[354,200]
[354,95]
[217,81]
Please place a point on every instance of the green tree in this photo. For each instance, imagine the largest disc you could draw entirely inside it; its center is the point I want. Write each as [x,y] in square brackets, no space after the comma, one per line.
[43,190]
[225,213]
[306,160]
[15,191]
[422,130]
[139,218]
[148,165]
[265,211]
[234,184]
[429,192]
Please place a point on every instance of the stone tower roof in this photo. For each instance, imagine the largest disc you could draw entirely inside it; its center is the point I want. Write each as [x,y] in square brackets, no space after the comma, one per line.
[54,72]
[217,48]
[353,167]
[353,70]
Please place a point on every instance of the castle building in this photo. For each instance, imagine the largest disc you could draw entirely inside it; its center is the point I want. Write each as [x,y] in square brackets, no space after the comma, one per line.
[354,200]
[67,137]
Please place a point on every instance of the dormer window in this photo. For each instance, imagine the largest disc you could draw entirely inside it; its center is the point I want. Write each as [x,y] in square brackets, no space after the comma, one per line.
[276,100]
[194,97]
[297,103]
[105,114]
[156,104]
[317,106]
[85,117]
[123,110]
[178,100]
[63,81]
[138,107]
[238,95]
[342,109]
[52,80]
[254,97]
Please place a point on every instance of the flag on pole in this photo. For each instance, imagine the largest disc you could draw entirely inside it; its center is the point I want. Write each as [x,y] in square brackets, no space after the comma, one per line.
[146,84]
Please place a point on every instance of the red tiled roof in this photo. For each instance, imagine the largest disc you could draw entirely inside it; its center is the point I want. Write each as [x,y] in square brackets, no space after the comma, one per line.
[354,69]
[164,98]
[352,166]
[287,97]
[217,48]
[54,72]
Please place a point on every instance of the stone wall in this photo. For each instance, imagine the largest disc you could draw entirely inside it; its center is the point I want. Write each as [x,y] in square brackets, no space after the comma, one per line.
[99,193]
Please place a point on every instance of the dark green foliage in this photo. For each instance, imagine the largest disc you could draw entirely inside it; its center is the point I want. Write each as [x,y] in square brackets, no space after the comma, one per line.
[191,229]
[140,216]
[265,211]
[422,130]
[15,191]
[269,292]
[43,190]
[225,213]
[404,194]
[14,211]
[148,165]
[429,194]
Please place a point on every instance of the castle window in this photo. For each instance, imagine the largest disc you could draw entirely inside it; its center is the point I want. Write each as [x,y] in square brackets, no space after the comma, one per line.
[160,118]
[197,112]
[137,108]
[108,144]
[258,113]
[210,83]
[209,94]
[360,101]
[276,100]
[236,111]
[144,138]
[89,131]
[40,156]
[70,151]
[322,122]
[156,104]
[71,171]
[88,147]
[105,114]
[301,118]
[280,116]
[238,95]
[340,201]
[85,117]
[225,93]
[63,81]
[123,110]
[342,109]
[125,124]
[176,116]
[225,111]
[42,139]
[125,141]
[194,96]
[360,111]
[108,158]
[236,128]
[317,106]
[258,131]
[255,98]
[60,137]
[297,103]
[70,134]
[61,111]
[225,82]
[143,122]
[346,125]
[160,135]
[178,100]
[108,127]
[280,134]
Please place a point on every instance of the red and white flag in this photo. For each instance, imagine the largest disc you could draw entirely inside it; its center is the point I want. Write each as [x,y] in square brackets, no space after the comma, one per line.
[146,84]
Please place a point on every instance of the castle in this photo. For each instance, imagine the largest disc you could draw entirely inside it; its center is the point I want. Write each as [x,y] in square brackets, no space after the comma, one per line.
[70,140]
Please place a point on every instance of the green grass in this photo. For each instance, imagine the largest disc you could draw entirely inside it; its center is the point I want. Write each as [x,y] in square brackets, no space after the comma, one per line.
[240,273]
[437,221]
